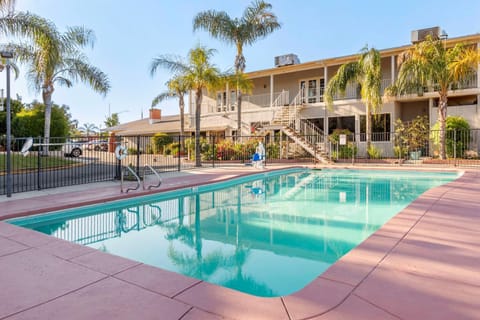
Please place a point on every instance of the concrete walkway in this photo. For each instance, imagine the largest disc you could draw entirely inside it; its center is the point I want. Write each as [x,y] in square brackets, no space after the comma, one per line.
[423,264]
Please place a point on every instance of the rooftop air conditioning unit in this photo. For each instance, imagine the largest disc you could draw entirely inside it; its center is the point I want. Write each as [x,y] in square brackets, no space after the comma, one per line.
[287,59]
[421,34]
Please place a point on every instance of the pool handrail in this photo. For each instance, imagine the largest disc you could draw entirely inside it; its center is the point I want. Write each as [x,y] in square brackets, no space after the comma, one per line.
[134,174]
[147,166]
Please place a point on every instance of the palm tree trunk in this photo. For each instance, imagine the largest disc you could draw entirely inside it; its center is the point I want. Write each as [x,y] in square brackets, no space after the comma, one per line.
[198,103]
[182,124]
[442,117]
[47,101]
[239,113]
[368,129]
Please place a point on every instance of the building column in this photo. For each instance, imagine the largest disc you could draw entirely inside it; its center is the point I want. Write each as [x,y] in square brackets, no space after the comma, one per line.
[227,102]
[325,111]
[271,90]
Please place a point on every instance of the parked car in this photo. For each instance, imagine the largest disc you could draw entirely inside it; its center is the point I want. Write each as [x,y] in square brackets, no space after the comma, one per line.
[97,145]
[72,149]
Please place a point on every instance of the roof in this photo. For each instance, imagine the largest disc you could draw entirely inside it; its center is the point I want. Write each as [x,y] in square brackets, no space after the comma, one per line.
[171,124]
[345,59]
[167,124]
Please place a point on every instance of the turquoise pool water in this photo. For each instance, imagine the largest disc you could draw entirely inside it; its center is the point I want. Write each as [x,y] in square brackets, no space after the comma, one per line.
[267,235]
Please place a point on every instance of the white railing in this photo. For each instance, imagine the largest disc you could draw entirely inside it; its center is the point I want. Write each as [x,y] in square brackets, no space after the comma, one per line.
[311,132]
[282,99]
[263,100]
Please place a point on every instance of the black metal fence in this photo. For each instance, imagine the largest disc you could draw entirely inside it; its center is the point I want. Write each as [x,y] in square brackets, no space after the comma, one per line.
[80,160]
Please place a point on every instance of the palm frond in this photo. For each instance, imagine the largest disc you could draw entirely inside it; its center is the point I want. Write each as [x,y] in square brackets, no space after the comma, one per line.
[63,81]
[218,24]
[82,70]
[172,63]
[161,97]
[79,36]
[347,73]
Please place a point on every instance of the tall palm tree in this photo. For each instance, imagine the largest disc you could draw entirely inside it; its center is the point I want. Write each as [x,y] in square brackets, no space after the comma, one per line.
[367,73]
[199,74]
[88,128]
[176,88]
[431,62]
[256,23]
[59,61]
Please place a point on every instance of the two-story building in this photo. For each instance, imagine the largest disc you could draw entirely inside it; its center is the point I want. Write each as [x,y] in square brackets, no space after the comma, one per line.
[289,98]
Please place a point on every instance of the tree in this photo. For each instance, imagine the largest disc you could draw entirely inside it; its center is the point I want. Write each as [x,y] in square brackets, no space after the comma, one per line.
[112,120]
[177,87]
[29,121]
[256,23]
[368,74]
[199,74]
[88,128]
[57,59]
[430,63]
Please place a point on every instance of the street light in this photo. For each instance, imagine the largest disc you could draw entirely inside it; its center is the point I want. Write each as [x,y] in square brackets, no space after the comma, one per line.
[7,55]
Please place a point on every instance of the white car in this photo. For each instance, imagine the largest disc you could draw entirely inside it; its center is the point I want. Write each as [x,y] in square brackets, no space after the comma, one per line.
[72,149]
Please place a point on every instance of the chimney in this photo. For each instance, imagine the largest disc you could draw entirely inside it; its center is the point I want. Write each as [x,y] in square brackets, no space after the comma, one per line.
[155,115]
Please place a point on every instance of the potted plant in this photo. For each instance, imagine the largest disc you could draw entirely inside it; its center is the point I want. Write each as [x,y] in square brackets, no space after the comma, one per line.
[412,137]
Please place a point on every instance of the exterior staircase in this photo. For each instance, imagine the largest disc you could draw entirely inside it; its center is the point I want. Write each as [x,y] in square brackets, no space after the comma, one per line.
[301,130]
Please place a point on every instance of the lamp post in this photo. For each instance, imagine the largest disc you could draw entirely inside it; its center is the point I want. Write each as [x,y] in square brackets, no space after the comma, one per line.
[7,55]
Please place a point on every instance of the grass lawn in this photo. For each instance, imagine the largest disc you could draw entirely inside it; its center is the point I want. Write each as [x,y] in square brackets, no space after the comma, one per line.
[19,162]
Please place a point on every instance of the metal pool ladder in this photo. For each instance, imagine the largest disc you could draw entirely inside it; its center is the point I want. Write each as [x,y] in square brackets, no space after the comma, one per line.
[139,181]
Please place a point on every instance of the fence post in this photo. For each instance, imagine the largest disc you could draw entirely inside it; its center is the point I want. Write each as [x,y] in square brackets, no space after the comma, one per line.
[180,151]
[138,156]
[455,147]
[39,163]
[213,151]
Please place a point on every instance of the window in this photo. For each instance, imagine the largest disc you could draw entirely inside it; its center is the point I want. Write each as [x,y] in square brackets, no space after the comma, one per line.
[341,123]
[312,90]
[222,104]
[380,127]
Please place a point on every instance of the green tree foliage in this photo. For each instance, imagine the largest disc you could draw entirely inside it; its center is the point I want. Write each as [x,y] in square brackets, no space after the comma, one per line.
[15,107]
[112,120]
[159,141]
[367,73]
[56,59]
[29,122]
[457,136]
[430,63]
[257,22]
[199,74]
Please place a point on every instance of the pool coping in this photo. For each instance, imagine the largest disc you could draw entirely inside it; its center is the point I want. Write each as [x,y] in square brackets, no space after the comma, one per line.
[356,286]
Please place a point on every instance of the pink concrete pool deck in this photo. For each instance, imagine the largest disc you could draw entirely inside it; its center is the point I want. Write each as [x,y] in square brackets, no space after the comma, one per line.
[422,264]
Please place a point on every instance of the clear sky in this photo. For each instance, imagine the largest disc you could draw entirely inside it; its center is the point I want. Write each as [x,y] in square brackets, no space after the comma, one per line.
[129,34]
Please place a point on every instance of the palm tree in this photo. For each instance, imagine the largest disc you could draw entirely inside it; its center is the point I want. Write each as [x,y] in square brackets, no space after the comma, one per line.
[112,120]
[59,60]
[367,73]
[199,75]
[256,23]
[22,24]
[177,88]
[430,62]
[88,128]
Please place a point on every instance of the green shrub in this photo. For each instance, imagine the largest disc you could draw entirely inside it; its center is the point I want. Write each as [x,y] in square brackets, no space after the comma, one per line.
[159,141]
[457,136]
[374,152]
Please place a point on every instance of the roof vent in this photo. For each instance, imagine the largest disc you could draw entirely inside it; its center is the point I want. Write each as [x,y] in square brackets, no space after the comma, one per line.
[286,60]
[421,34]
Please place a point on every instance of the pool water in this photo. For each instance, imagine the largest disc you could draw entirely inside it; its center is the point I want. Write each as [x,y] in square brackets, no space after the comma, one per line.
[268,235]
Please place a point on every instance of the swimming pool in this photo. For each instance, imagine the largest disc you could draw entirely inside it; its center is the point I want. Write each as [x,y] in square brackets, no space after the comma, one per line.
[269,234]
